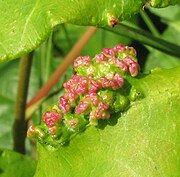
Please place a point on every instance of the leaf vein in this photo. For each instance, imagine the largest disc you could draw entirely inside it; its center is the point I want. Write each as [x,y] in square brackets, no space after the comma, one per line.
[27,21]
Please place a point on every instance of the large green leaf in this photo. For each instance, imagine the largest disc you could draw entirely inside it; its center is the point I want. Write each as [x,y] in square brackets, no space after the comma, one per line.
[16,165]
[25,24]
[144,141]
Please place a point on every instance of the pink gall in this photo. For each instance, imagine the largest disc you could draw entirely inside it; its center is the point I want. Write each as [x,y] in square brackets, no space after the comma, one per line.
[93,98]
[119,79]
[133,69]
[83,106]
[82,61]
[108,52]
[51,118]
[103,106]
[63,105]
[100,58]
[119,48]
[121,64]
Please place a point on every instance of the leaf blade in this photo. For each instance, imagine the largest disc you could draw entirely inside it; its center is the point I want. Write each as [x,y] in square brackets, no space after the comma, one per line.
[144,142]
[26,24]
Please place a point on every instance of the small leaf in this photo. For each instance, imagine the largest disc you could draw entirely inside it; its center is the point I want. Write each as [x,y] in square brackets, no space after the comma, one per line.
[172,12]
[171,34]
[16,165]
[162,3]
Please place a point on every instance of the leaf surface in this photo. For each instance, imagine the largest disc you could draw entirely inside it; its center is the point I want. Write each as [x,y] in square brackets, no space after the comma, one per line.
[25,24]
[16,165]
[171,34]
[144,141]
[8,78]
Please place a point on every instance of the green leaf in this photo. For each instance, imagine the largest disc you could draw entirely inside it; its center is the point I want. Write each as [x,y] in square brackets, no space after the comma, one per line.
[161,60]
[6,122]
[144,141]
[8,78]
[172,12]
[163,3]
[16,165]
[25,24]
[171,34]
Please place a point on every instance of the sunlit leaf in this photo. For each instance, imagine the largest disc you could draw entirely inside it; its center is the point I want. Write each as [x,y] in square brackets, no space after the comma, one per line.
[144,141]
[26,24]
[16,165]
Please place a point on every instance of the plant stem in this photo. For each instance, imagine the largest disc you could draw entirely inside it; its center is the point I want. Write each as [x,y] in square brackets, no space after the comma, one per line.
[20,124]
[48,57]
[146,38]
[103,38]
[42,66]
[149,23]
[66,34]
[54,78]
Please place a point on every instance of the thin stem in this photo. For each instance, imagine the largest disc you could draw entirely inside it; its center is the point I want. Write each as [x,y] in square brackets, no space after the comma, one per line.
[103,38]
[66,34]
[149,23]
[54,78]
[42,63]
[146,38]
[20,124]
[48,57]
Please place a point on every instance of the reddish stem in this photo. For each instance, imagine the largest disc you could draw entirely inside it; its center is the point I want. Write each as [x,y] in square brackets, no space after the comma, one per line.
[54,78]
